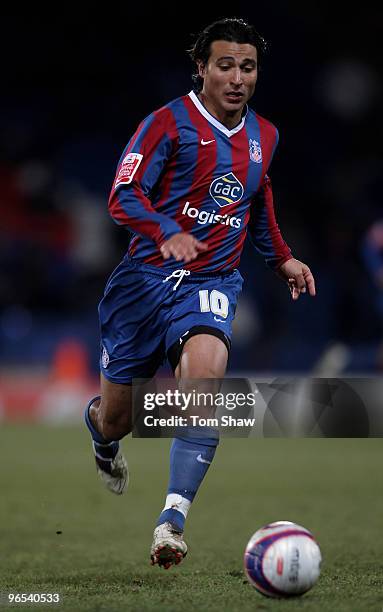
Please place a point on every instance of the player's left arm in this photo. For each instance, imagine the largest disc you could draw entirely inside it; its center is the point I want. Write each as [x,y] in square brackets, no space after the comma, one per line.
[263,229]
[268,241]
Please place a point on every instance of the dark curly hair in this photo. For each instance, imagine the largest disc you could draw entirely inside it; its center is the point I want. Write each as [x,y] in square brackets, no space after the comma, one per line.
[232,29]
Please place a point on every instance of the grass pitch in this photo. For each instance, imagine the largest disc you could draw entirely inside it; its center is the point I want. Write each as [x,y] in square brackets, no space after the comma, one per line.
[62,532]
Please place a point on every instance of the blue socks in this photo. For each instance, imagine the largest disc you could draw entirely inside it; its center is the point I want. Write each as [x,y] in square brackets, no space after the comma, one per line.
[190,458]
[105,450]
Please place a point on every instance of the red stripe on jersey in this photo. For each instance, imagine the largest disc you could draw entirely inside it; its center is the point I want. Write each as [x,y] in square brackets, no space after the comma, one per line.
[116,210]
[218,233]
[153,137]
[134,138]
[166,181]
[280,247]
[152,228]
[205,164]
[234,259]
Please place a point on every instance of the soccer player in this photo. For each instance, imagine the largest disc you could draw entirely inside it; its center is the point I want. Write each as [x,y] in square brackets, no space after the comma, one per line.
[190,185]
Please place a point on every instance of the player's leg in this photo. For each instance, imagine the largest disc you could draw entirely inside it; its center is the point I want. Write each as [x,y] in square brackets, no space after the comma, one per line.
[133,323]
[111,414]
[197,345]
[109,419]
[204,357]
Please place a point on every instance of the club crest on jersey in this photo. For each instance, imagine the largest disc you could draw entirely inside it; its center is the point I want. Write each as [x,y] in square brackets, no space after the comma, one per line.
[255,151]
[104,358]
[128,168]
[226,189]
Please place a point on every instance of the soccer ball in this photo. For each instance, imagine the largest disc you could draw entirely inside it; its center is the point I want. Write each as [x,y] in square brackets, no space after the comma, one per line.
[282,559]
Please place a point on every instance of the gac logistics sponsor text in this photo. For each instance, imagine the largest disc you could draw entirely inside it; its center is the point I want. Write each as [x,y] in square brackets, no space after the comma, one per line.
[204,216]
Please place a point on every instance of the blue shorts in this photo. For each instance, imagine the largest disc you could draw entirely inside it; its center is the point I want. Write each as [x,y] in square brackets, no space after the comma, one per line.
[147,314]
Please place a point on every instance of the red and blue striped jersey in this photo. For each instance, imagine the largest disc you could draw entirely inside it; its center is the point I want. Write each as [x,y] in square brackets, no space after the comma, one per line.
[183,170]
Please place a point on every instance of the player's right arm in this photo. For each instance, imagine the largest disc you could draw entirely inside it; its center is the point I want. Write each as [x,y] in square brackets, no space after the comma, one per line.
[140,168]
[138,172]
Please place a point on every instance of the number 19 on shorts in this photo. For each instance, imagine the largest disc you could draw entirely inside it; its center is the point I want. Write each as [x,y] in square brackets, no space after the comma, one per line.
[214,301]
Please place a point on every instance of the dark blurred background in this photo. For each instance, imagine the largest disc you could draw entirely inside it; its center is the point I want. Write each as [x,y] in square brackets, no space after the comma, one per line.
[75,85]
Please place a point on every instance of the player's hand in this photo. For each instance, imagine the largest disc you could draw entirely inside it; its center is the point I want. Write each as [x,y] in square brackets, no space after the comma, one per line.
[183,247]
[298,277]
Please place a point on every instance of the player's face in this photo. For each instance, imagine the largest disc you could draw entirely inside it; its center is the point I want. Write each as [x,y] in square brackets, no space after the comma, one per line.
[229,77]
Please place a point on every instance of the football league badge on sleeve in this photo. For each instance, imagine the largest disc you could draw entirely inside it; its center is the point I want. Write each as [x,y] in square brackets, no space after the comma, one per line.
[255,151]
[128,168]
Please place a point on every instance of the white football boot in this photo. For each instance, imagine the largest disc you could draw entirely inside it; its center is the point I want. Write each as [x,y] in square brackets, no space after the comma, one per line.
[168,547]
[113,472]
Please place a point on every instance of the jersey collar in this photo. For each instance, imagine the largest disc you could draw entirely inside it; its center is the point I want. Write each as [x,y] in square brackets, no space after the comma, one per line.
[197,102]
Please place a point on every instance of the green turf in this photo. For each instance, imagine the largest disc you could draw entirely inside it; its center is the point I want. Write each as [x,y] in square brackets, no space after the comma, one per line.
[100,560]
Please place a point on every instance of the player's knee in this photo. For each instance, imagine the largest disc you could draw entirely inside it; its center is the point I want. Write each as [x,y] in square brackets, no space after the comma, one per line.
[200,367]
[203,356]
[202,371]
